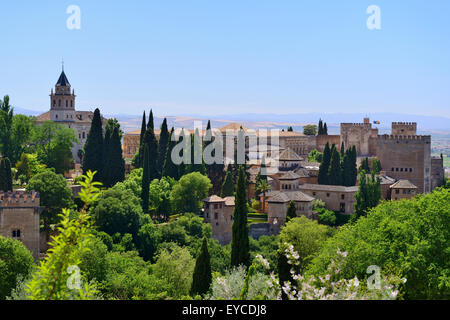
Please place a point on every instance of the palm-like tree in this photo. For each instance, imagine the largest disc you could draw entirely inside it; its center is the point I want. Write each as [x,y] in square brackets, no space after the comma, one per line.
[262,187]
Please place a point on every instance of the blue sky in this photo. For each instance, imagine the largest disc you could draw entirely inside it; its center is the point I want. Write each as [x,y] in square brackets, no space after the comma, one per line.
[227,57]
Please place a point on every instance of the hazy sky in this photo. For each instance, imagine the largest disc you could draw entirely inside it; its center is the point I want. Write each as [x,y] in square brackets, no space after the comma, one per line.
[218,57]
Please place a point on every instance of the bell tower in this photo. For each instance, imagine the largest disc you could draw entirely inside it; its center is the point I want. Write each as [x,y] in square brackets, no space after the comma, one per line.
[62,100]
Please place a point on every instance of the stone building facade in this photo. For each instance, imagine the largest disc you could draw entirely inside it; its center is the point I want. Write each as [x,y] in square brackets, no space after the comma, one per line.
[336,198]
[360,135]
[407,158]
[218,212]
[19,218]
[62,111]
[403,189]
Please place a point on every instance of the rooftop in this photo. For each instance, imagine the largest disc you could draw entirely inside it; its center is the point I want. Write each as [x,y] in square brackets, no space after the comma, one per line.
[403,184]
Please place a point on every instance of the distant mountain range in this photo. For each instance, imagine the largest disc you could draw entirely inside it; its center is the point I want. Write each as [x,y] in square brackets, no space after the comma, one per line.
[426,124]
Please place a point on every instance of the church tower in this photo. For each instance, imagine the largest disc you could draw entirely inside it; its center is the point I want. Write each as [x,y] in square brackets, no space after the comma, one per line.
[62,101]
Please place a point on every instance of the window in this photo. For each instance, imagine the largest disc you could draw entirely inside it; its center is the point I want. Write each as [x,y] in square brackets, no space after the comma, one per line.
[216,215]
[342,207]
[67,104]
[314,193]
[328,195]
[343,196]
[216,206]
[397,191]
[410,169]
[71,103]
[401,169]
[59,103]
[16,234]
[392,169]
[56,116]
[84,135]
[396,169]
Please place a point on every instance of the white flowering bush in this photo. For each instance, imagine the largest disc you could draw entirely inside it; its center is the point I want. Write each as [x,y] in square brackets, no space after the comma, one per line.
[330,286]
[229,286]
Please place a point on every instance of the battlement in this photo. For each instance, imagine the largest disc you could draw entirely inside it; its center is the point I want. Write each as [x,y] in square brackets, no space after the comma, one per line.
[19,199]
[405,123]
[405,137]
[355,124]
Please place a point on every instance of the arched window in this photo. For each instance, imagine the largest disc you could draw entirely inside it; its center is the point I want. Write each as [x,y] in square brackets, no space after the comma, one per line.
[59,103]
[16,234]
[67,104]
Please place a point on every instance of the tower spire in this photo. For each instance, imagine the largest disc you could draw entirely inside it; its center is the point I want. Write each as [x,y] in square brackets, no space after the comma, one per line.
[62,64]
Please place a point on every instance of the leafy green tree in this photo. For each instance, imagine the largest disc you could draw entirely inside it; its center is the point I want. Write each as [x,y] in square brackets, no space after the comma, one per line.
[291,212]
[21,133]
[239,241]
[93,148]
[284,268]
[306,236]
[262,187]
[324,166]
[55,195]
[335,171]
[365,165]
[175,267]
[227,187]
[93,261]
[327,217]
[310,130]
[159,197]
[148,239]
[53,143]
[50,281]
[188,193]
[315,156]
[23,168]
[405,237]
[118,211]
[16,262]
[202,279]
[6,122]
[5,175]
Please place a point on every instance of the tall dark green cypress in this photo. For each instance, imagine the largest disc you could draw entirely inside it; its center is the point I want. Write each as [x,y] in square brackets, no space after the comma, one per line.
[183,166]
[93,148]
[106,174]
[6,122]
[170,169]
[5,175]
[114,162]
[162,146]
[320,130]
[342,150]
[151,123]
[145,180]
[202,278]
[325,129]
[152,159]
[291,212]
[214,171]
[324,166]
[334,171]
[239,242]
[141,139]
[228,186]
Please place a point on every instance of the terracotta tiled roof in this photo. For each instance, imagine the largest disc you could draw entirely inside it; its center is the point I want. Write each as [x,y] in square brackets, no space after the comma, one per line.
[290,175]
[286,196]
[403,184]
[229,201]
[321,187]
[289,155]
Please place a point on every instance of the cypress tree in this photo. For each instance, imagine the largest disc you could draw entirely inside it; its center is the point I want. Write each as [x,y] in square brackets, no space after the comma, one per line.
[151,124]
[214,171]
[141,140]
[342,150]
[93,149]
[5,175]
[320,130]
[291,212]
[6,121]
[162,147]
[368,194]
[325,129]
[347,169]
[115,163]
[202,278]
[334,171]
[145,180]
[23,167]
[170,169]
[183,166]
[106,174]
[227,186]
[324,166]
[353,165]
[376,166]
[239,242]
[152,144]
